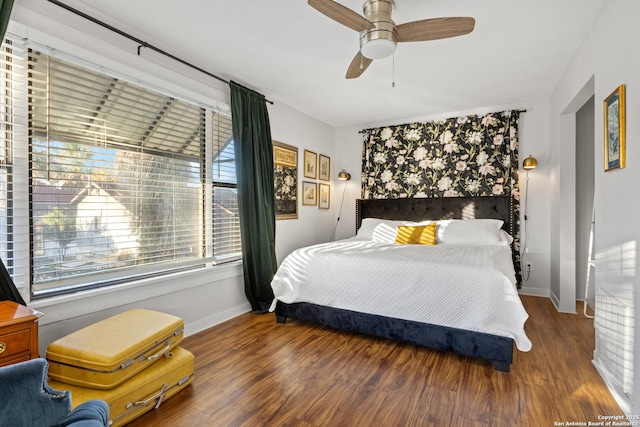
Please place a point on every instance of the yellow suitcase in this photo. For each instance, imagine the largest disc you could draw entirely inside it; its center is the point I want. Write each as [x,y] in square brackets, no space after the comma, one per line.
[142,393]
[109,352]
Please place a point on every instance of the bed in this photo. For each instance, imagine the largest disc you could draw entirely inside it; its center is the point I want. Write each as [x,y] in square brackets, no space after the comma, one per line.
[463,299]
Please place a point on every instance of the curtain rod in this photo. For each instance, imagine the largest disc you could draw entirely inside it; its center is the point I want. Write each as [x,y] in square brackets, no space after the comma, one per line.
[366,130]
[140,42]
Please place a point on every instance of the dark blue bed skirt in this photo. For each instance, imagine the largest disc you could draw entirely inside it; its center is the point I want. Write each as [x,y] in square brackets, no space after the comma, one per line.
[476,344]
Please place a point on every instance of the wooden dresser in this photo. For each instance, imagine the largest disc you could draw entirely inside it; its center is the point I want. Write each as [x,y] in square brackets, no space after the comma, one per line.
[18,333]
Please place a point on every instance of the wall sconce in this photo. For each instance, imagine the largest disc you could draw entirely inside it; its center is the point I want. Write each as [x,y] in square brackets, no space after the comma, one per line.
[529,163]
[344,175]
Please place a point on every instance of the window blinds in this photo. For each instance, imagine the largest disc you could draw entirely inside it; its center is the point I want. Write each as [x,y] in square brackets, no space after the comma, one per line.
[117,179]
[226,223]
[14,198]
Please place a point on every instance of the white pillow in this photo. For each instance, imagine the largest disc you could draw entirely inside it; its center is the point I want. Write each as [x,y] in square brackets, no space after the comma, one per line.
[381,230]
[450,231]
[472,231]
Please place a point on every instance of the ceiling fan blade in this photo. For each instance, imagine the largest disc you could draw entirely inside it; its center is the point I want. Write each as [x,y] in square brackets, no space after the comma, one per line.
[341,14]
[358,66]
[434,29]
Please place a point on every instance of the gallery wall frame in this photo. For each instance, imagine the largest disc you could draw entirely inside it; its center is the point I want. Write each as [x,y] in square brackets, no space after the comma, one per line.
[324,167]
[310,164]
[309,193]
[324,196]
[285,171]
[615,130]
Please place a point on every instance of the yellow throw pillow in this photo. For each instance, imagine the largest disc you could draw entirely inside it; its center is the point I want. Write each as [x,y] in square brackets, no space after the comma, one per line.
[416,234]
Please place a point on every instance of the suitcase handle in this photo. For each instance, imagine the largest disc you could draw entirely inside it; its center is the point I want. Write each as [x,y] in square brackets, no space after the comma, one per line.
[156,396]
[167,347]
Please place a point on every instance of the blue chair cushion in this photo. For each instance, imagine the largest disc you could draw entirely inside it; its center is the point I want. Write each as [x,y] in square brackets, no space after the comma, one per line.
[27,400]
[93,413]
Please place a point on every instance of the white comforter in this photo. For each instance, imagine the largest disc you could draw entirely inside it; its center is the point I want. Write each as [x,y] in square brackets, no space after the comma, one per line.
[469,287]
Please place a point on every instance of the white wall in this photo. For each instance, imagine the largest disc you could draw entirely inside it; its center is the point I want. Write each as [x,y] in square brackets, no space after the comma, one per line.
[207,296]
[313,225]
[534,140]
[607,58]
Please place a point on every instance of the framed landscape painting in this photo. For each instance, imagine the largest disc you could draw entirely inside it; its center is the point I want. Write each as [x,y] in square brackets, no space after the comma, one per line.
[285,171]
[614,130]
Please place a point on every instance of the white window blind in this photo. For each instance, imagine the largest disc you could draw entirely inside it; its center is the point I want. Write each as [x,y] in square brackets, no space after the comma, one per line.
[14,173]
[117,180]
[226,228]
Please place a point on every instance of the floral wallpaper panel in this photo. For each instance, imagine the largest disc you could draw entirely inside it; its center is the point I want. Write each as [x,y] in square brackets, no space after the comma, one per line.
[456,157]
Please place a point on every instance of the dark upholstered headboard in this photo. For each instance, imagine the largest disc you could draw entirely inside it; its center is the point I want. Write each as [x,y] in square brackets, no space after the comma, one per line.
[418,209]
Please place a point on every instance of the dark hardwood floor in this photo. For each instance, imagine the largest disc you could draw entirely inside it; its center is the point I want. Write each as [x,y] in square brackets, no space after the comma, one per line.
[251,371]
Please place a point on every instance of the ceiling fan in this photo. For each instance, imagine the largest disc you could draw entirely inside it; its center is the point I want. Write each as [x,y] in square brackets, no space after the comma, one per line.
[379,35]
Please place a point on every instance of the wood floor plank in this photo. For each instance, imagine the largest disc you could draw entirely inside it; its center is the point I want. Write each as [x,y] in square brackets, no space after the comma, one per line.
[251,371]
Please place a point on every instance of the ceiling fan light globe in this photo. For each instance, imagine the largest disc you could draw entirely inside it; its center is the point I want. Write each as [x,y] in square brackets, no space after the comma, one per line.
[377,48]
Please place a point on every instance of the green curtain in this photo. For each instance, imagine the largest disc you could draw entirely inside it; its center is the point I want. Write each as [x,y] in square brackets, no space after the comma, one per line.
[8,289]
[5,13]
[256,200]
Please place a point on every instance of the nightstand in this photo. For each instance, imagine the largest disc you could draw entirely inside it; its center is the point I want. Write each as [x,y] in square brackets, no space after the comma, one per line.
[18,333]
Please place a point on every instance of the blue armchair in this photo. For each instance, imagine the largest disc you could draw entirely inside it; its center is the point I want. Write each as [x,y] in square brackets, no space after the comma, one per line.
[27,400]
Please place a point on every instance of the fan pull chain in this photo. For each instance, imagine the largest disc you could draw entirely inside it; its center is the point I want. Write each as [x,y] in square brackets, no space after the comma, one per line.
[393,71]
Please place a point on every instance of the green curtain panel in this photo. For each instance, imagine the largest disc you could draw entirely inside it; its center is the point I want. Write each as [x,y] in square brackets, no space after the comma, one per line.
[256,199]
[456,157]
[5,13]
[8,289]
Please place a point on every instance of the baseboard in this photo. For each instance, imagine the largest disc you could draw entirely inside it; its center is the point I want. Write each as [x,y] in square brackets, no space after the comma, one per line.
[534,292]
[215,319]
[554,300]
[619,395]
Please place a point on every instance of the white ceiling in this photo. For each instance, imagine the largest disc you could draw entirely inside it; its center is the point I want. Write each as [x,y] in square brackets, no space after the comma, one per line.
[293,54]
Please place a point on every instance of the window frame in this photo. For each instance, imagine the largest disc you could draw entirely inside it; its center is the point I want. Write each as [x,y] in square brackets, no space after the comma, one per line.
[26,228]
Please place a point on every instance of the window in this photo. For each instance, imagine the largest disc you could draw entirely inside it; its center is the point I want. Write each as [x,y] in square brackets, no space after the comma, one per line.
[120,179]
[14,199]
[226,223]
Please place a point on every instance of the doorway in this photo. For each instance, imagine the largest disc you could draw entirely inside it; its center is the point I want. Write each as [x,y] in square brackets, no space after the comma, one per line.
[585,188]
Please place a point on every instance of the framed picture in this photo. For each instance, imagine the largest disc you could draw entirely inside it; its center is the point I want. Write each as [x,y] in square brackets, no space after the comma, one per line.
[324,196]
[309,193]
[614,130]
[285,173]
[310,164]
[324,168]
